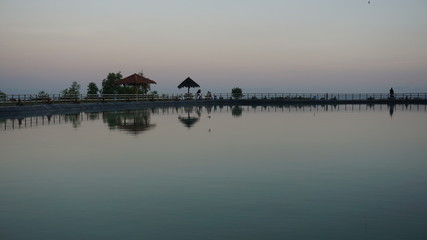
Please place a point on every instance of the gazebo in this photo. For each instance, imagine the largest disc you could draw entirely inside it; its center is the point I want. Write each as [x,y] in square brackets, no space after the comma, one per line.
[188,83]
[135,80]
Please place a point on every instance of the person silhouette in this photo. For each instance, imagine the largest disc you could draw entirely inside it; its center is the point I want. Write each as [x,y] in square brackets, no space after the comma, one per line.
[199,94]
[391,93]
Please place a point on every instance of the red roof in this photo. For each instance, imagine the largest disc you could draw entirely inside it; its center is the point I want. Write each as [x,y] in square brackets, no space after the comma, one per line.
[135,79]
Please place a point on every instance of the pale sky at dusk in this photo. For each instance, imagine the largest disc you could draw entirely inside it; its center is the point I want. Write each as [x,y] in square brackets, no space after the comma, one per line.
[258,45]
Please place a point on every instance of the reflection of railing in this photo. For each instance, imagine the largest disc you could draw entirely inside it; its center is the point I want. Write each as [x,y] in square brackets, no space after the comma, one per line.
[60,98]
[37,121]
[141,117]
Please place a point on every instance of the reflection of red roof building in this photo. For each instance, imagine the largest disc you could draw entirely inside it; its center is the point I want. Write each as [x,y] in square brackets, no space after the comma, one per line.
[135,128]
[135,79]
[134,122]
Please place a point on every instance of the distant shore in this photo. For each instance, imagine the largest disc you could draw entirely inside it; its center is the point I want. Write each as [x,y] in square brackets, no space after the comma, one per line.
[17,111]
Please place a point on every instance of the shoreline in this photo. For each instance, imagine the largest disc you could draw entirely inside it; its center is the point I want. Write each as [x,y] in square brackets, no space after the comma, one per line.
[68,108]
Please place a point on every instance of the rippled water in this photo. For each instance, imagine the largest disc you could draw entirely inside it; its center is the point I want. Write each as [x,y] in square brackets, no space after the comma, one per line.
[232,172]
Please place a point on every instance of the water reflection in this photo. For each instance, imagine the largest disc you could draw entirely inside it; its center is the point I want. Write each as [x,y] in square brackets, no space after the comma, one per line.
[138,121]
[191,116]
[74,119]
[291,172]
[134,122]
[236,111]
[391,109]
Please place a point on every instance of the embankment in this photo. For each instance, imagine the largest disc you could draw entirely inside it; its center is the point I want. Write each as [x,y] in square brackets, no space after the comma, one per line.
[50,109]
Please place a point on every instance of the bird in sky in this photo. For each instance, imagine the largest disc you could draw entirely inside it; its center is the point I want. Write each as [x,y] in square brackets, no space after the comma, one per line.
[369,2]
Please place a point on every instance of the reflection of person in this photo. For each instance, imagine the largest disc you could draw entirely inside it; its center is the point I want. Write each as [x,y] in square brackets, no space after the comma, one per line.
[391,93]
[391,110]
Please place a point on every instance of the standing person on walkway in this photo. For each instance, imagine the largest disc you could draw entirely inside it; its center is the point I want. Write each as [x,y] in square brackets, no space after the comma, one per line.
[391,93]
[199,94]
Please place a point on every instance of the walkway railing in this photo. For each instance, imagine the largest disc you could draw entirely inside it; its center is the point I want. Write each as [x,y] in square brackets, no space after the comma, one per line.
[60,98]
[327,96]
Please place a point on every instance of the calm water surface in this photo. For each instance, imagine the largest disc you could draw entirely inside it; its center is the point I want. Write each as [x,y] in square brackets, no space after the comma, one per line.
[349,172]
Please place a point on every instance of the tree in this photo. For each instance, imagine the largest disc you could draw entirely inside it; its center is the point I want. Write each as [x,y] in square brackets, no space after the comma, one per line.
[92,89]
[42,95]
[73,90]
[145,87]
[109,85]
[236,92]
[125,89]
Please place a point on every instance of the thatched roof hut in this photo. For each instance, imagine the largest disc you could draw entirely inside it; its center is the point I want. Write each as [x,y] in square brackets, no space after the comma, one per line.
[188,83]
[136,80]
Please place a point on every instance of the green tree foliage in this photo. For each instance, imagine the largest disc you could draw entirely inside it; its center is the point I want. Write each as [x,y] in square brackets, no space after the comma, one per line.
[125,90]
[42,95]
[109,85]
[73,90]
[236,92]
[145,87]
[92,89]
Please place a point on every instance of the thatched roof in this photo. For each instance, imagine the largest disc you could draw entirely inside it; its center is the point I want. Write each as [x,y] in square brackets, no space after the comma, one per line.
[188,83]
[135,79]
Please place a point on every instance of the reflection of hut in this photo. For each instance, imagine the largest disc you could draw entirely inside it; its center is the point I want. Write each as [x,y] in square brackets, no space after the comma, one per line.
[134,122]
[189,120]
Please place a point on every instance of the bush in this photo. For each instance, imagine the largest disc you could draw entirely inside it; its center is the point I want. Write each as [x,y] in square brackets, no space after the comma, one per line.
[236,92]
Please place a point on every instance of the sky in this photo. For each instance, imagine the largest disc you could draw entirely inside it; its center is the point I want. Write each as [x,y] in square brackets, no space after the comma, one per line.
[258,45]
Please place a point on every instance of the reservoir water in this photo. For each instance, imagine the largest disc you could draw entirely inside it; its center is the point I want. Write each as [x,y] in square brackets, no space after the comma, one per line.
[230,172]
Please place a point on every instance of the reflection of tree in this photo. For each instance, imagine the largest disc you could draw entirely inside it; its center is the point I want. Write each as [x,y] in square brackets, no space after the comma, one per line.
[130,121]
[190,119]
[93,115]
[236,111]
[74,119]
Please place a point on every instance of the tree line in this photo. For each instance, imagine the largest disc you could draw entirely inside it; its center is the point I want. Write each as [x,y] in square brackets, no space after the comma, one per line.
[108,86]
